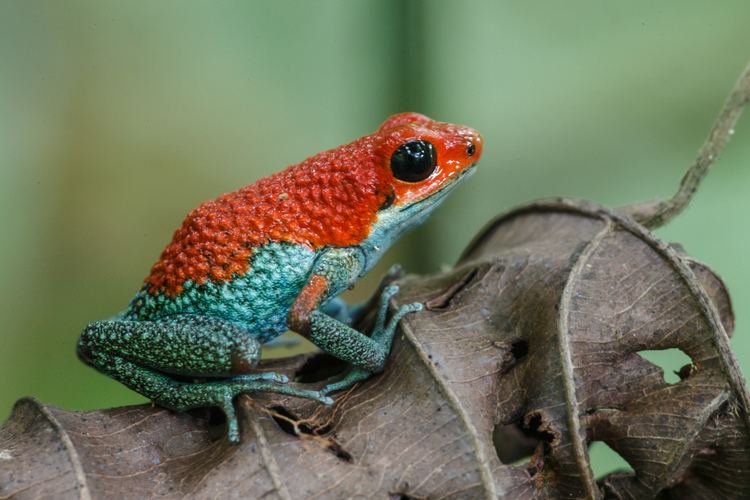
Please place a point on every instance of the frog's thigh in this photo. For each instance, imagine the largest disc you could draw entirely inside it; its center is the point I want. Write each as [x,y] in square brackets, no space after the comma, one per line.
[183,345]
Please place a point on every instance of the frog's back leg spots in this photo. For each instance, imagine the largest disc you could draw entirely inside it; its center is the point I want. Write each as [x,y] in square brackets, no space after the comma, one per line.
[144,355]
[181,345]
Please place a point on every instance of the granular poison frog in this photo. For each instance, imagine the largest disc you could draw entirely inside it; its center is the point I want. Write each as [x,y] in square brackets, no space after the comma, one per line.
[274,255]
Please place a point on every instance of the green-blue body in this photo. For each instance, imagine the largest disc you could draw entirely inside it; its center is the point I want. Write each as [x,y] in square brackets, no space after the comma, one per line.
[257,301]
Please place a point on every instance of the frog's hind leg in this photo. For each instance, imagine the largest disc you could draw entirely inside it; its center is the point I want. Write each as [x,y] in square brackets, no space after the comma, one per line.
[196,346]
[144,355]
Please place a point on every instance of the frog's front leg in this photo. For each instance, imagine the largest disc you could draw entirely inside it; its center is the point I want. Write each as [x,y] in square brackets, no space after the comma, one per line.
[338,309]
[334,272]
[144,355]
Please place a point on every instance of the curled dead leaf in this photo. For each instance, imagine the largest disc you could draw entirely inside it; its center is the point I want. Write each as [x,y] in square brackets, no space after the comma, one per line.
[530,347]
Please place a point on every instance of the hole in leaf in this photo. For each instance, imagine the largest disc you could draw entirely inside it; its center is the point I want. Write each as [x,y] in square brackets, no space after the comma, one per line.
[535,427]
[675,364]
[513,354]
[519,349]
[525,442]
[604,460]
[340,452]
[302,426]
[320,367]
[285,424]
[216,422]
[512,446]
[400,496]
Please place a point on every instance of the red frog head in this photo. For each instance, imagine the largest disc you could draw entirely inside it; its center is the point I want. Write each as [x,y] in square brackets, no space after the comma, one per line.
[364,193]
[425,156]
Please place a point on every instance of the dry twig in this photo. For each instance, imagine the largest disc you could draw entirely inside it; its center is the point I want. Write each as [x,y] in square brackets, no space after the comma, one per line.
[653,214]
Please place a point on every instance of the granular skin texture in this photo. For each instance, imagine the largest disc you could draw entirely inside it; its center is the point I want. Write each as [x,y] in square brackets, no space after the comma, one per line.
[258,300]
[244,267]
[331,198]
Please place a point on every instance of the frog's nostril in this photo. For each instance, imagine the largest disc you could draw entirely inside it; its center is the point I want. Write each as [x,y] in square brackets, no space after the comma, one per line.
[471,149]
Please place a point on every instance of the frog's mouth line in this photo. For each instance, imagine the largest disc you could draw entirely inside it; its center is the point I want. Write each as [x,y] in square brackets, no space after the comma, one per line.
[443,191]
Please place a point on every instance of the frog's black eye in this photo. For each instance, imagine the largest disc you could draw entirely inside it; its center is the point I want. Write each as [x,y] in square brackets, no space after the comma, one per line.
[414,161]
[471,149]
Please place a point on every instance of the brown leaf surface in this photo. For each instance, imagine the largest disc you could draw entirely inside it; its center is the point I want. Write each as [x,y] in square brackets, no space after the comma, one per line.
[533,339]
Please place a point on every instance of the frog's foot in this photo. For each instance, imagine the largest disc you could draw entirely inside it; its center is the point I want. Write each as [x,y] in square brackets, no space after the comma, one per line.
[351,378]
[181,396]
[382,336]
[223,394]
[382,333]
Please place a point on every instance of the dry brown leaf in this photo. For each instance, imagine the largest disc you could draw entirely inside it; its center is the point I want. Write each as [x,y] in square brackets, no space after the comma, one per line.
[532,338]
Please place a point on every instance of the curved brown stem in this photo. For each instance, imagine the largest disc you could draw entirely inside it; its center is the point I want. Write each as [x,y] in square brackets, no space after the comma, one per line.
[656,213]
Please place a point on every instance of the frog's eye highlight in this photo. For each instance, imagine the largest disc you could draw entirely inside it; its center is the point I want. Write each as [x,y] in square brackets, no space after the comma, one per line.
[414,161]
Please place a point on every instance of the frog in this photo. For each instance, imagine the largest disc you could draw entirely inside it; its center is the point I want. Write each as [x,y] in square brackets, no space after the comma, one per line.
[274,256]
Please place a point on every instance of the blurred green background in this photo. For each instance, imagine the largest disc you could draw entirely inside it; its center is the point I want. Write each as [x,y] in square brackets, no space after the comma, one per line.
[117,118]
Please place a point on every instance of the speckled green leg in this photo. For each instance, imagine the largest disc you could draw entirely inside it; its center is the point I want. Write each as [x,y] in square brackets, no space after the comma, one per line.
[142,354]
[348,314]
[338,309]
[182,396]
[368,355]
[198,346]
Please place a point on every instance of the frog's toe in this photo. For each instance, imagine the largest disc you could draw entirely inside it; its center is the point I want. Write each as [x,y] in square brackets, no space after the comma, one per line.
[410,308]
[389,292]
[354,376]
[277,384]
[326,400]
[394,272]
[319,396]
[233,428]
[263,376]
[277,377]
